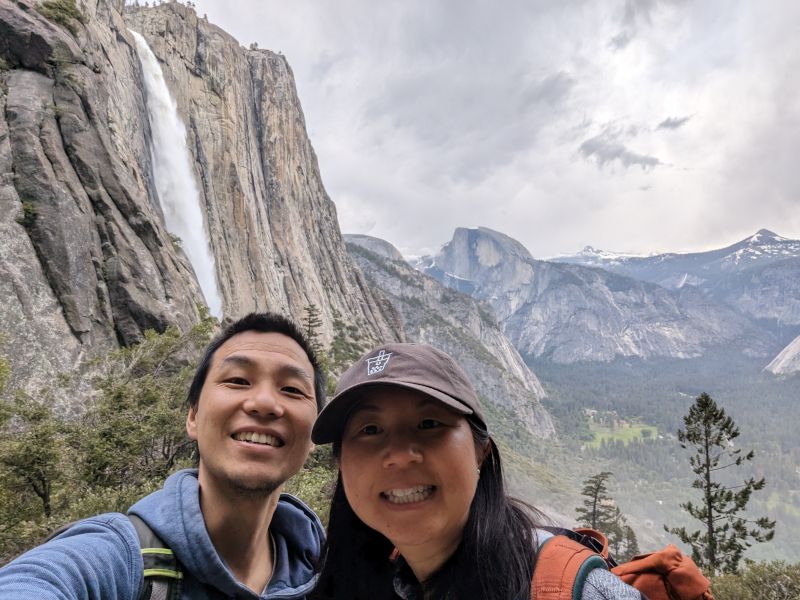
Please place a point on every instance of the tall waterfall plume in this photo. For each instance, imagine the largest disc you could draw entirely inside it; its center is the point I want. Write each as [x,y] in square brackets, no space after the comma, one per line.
[174,178]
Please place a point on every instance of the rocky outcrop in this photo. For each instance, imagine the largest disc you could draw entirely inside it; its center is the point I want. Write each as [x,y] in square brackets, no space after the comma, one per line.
[86,263]
[568,313]
[788,361]
[461,326]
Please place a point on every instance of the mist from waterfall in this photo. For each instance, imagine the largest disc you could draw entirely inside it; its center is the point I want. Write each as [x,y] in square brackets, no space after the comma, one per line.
[174,177]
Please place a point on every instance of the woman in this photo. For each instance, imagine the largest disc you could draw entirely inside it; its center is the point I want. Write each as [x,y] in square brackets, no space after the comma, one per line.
[420,509]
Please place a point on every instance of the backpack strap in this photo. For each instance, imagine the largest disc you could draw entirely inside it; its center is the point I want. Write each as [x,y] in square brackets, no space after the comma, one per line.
[162,571]
[562,566]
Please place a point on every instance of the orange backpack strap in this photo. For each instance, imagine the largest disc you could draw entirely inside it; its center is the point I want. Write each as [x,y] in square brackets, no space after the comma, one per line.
[562,566]
[665,575]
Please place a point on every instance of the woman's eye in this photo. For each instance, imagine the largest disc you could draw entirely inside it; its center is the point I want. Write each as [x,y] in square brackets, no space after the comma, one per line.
[370,430]
[429,424]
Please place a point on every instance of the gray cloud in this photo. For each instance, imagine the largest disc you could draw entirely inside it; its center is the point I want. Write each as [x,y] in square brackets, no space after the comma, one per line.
[638,11]
[606,148]
[619,41]
[552,89]
[673,122]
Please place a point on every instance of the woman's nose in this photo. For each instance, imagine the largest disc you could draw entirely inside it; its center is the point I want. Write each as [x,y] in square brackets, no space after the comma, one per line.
[401,450]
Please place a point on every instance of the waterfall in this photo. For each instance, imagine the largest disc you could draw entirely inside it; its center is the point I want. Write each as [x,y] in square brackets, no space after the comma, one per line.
[174,178]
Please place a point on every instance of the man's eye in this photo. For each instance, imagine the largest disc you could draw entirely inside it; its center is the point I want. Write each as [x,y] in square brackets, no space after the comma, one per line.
[295,391]
[237,381]
[429,424]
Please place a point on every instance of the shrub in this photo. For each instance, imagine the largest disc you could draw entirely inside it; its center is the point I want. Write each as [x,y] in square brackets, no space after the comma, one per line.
[29,214]
[62,12]
[776,580]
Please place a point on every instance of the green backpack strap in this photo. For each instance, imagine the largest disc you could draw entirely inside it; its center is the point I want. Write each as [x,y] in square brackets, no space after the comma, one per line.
[162,571]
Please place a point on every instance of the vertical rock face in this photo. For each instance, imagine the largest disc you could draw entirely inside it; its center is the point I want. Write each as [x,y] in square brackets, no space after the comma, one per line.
[273,229]
[86,263]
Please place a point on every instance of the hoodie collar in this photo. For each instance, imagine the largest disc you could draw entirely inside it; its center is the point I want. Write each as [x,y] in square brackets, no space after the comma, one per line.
[174,515]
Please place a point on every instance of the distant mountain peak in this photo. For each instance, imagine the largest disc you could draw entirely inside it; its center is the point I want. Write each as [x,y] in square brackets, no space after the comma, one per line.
[501,244]
[761,234]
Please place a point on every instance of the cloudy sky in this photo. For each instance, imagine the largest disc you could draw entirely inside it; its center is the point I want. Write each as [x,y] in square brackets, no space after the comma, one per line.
[628,125]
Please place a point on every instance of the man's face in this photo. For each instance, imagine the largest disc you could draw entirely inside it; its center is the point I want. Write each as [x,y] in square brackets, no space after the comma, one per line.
[253,420]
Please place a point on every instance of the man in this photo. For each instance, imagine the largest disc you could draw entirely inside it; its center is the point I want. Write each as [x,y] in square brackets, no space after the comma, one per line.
[252,404]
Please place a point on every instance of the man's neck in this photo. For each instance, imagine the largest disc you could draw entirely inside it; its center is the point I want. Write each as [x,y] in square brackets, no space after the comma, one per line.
[238,526]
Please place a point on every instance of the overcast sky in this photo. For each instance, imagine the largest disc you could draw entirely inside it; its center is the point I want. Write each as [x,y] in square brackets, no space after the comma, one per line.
[628,125]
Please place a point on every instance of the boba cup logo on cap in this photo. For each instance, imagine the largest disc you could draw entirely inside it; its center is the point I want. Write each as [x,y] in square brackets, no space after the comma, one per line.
[417,367]
[378,363]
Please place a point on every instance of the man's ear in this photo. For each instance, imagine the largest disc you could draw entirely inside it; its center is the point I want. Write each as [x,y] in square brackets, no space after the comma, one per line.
[191,423]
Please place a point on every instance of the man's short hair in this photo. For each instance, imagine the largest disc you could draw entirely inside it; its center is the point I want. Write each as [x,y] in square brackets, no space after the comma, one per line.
[262,323]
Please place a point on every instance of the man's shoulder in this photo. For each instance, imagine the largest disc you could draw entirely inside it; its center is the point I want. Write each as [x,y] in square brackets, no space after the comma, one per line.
[113,526]
[98,556]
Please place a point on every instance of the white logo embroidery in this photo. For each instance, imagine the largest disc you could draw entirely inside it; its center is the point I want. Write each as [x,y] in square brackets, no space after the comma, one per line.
[378,363]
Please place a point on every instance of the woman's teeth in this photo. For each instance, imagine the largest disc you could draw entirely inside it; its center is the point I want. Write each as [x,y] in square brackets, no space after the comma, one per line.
[258,438]
[408,495]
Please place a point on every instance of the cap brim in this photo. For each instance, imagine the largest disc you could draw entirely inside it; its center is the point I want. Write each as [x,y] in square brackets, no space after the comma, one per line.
[331,421]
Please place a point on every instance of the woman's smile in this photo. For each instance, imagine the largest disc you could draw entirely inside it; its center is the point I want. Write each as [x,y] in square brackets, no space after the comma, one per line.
[410,495]
[409,469]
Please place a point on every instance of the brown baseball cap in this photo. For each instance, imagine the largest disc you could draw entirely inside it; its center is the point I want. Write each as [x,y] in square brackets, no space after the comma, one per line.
[413,366]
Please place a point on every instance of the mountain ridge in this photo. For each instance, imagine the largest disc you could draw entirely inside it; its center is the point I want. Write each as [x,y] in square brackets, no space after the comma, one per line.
[574,312]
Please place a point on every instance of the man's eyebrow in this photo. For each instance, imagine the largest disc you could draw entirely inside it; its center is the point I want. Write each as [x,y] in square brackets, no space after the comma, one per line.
[245,361]
[237,360]
[299,371]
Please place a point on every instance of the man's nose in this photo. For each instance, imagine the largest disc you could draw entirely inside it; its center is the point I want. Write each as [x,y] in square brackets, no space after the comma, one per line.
[264,401]
[401,450]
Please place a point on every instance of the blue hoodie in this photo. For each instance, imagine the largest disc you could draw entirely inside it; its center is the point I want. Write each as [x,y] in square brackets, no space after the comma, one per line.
[98,558]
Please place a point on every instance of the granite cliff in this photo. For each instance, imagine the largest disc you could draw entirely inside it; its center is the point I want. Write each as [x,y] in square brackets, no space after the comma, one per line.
[86,263]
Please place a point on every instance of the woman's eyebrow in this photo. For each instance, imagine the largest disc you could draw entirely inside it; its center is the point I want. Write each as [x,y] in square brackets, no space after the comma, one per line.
[364,407]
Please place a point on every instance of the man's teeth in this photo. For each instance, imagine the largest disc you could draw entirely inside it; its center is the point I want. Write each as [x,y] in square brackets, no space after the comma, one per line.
[258,438]
[408,495]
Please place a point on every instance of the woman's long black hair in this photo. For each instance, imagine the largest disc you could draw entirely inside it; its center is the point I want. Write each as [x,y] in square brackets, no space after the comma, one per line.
[496,555]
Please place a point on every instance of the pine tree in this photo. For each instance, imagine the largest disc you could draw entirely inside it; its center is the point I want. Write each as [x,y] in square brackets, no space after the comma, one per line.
[718,546]
[311,325]
[630,545]
[601,513]
[598,508]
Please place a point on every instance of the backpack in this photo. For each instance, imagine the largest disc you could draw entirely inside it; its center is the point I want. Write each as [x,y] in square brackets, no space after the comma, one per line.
[162,571]
[565,560]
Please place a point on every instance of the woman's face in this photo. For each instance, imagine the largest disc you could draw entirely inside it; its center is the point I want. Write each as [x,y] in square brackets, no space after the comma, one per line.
[409,469]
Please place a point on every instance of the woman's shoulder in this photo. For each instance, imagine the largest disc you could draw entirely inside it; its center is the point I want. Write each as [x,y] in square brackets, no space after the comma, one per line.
[604,585]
